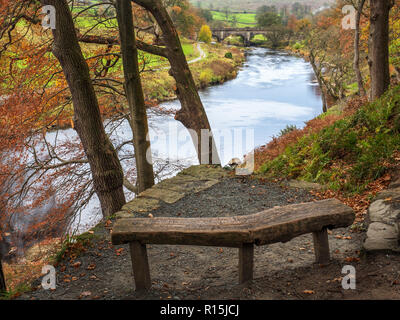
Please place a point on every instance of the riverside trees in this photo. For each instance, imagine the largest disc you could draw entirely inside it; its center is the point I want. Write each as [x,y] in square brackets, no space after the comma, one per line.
[345,58]
[379,46]
[45,92]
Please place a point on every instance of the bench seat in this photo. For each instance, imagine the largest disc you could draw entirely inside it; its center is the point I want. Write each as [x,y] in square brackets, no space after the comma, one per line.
[278,224]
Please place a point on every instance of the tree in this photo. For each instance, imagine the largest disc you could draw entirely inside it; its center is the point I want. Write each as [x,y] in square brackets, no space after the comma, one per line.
[192,113]
[276,34]
[206,15]
[134,93]
[268,19]
[378,59]
[103,160]
[357,71]
[205,34]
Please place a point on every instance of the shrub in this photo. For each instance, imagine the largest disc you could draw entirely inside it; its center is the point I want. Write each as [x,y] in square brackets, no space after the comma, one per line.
[229,55]
[289,128]
[206,77]
[205,34]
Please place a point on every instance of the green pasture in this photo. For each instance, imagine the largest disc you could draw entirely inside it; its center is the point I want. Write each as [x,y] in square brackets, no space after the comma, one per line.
[242,19]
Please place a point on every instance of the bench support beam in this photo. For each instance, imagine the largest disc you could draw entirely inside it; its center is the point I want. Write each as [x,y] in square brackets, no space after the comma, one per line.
[246,262]
[140,266]
[321,246]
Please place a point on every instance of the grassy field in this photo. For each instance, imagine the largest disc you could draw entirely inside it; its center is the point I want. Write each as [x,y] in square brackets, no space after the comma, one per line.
[242,19]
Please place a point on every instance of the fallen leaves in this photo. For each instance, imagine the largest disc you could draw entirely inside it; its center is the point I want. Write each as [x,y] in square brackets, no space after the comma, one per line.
[308,291]
[343,237]
[91,266]
[352,259]
[85,294]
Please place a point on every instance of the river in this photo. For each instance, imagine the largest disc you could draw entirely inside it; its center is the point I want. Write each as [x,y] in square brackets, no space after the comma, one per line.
[272,90]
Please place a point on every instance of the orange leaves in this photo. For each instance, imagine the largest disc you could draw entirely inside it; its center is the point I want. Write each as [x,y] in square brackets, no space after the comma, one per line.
[343,237]
[91,266]
[352,259]
[176,9]
[308,291]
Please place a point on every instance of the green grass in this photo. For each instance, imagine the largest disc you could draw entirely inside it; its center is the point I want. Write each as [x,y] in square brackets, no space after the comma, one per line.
[350,153]
[243,19]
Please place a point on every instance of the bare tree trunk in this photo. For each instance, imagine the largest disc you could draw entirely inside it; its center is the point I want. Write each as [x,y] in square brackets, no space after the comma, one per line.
[361,89]
[134,93]
[379,47]
[318,75]
[104,163]
[192,114]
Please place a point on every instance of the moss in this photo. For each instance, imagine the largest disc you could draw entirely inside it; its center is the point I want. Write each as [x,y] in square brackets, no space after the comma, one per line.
[348,154]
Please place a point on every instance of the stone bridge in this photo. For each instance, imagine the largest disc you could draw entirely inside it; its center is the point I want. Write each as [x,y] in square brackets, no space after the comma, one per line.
[246,33]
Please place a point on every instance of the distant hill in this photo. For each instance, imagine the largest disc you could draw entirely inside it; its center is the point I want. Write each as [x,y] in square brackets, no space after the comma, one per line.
[252,5]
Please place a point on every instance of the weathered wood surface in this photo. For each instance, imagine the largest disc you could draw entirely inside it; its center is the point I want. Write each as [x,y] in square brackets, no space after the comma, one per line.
[321,246]
[140,266]
[279,224]
[246,262]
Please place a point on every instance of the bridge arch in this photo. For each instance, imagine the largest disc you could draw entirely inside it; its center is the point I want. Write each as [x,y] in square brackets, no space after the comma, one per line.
[245,33]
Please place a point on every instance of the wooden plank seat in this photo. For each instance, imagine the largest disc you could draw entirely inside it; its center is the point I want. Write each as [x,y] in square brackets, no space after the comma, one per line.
[279,224]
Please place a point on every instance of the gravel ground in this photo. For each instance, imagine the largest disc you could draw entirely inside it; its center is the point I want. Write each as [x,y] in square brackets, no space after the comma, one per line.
[282,271]
[232,197]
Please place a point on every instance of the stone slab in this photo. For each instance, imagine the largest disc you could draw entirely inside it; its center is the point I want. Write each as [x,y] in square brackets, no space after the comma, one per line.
[381,236]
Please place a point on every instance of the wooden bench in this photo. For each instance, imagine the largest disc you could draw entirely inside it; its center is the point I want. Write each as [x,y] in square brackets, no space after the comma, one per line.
[279,224]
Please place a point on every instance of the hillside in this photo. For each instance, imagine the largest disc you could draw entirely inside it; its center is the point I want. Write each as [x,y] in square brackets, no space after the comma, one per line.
[252,5]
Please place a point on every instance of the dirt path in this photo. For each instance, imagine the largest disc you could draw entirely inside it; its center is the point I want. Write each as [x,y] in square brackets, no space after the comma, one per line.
[282,271]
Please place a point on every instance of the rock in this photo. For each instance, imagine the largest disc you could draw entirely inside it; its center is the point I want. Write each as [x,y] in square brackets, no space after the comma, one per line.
[381,236]
[304,185]
[165,195]
[186,184]
[234,163]
[205,172]
[384,216]
[385,211]
[190,180]
[141,205]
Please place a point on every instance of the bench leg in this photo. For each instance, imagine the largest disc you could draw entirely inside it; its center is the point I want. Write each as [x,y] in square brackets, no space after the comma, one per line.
[140,266]
[321,246]
[246,262]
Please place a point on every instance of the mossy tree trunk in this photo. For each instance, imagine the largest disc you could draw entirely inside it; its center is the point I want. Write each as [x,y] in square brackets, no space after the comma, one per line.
[105,166]
[192,113]
[379,47]
[134,93]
